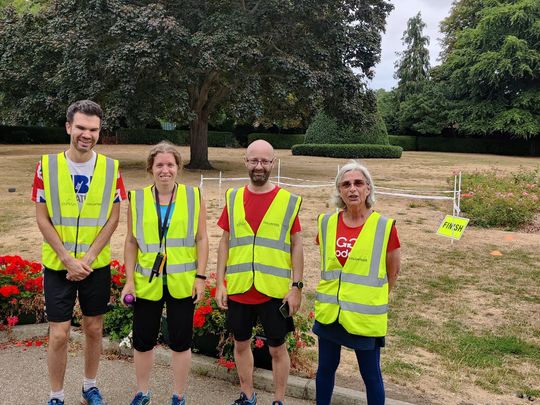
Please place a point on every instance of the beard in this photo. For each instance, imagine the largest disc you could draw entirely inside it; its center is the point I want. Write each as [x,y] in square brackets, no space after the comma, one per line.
[259,178]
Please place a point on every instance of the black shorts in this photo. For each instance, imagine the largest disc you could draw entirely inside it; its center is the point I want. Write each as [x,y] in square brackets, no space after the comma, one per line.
[241,318]
[60,293]
[147,321]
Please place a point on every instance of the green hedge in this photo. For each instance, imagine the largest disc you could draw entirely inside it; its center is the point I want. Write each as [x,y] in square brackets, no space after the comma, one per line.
[219,139]
[147,136]
[405,141]
[278,141]
[35,135]
[352,151]
[153,136]
[514,147]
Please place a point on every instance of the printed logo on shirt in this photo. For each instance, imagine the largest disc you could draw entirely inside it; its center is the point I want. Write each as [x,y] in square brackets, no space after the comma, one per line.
[344,246]
[82,185]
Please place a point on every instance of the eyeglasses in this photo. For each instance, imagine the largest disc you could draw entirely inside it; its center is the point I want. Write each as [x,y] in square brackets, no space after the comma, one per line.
[356,183]
[255,162]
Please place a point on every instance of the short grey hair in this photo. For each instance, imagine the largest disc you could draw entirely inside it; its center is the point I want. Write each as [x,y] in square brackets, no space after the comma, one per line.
[353,166]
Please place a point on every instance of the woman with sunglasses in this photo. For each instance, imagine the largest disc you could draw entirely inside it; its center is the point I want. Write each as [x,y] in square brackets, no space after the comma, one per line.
[166,253]
[360,262]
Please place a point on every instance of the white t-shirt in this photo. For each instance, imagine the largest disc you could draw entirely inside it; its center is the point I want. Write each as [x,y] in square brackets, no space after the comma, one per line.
[81,173]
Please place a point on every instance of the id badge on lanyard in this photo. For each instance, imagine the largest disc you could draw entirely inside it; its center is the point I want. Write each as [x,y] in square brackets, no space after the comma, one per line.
[161,257]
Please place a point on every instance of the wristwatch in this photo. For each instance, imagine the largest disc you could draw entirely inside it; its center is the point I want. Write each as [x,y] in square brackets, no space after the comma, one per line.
[298,284]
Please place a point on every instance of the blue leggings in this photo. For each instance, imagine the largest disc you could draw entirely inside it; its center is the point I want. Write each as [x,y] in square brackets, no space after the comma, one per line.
[370,370]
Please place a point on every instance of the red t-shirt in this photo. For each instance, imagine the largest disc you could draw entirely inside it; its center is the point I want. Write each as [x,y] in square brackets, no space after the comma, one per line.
[255,206]
[346,236]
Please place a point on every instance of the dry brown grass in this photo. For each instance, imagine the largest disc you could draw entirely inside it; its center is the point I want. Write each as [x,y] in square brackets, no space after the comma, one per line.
[448,295]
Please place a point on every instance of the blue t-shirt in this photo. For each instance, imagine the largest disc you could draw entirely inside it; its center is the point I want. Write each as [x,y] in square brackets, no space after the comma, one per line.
[163,209]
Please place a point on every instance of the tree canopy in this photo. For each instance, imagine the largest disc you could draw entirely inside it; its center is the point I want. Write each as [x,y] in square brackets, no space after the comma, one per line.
[183,60]
[412,68]
[491,73]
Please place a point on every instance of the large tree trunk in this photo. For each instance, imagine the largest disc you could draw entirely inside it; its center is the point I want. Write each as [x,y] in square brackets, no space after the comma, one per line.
[198,133]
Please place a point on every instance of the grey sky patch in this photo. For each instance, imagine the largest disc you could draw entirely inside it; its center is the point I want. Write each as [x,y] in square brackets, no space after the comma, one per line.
[433,11]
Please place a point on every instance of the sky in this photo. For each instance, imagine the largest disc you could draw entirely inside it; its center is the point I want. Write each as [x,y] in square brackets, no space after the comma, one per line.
[433,11]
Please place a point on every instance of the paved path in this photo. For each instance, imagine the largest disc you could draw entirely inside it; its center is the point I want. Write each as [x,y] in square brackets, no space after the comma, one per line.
[23,381]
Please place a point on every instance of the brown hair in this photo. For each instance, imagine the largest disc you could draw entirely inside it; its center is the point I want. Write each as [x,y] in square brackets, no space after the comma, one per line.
[163,147]
[86,107]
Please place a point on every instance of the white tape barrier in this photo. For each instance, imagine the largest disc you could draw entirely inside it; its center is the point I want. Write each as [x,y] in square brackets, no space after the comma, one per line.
[394,192]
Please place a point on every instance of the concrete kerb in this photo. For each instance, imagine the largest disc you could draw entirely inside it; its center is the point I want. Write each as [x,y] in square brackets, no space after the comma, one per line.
[302,388]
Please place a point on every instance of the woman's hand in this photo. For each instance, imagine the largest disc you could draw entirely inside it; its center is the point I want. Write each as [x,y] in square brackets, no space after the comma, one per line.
[198,290]
[129,288]
[221,296]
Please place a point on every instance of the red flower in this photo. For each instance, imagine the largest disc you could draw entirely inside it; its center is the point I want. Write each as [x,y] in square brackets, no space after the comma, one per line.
[35,267]
[213,292]
[311,315]
[38,343]
[8,290]
[12,320]
[228,364]
[205,309]
[259,343]
[198,320]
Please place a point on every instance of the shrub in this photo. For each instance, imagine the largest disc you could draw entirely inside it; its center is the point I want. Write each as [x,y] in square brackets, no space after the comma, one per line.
[513,147]
[493,200]
[21,290]
[148,136]
[348,151]
[218,139]
[323,129]
[35,135]
[278,141]
[209,319]
[373,132]
[405,141]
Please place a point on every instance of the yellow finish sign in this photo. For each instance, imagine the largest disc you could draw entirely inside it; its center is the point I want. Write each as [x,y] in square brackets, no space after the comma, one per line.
[453,227]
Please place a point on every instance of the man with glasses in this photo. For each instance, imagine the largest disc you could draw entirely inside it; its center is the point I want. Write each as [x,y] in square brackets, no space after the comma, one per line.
[259,253]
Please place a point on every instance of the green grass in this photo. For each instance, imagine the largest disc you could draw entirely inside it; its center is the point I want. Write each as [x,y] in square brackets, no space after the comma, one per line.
[401,369]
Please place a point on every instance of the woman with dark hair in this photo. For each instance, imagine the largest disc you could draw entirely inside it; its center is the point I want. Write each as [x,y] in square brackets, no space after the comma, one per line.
[360,262]
[166,253]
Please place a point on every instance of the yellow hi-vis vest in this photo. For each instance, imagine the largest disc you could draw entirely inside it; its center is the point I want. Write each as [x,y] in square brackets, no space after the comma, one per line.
[355,294]
[77,230]
[263,259]
[179,242]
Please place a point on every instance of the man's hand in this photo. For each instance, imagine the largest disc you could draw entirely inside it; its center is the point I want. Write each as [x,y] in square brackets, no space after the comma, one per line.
[221,296]
[198,290]
[129,288]
[77,270]
[294,298]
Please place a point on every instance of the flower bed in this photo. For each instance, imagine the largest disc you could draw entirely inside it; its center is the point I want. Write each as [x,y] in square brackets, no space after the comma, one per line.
[210,320]
[21,292]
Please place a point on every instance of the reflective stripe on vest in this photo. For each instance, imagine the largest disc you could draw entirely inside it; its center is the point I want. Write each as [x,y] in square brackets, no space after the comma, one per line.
[77,228]
[179,243]
[355,294]
[372,280]
[352,306]
[263,259]
[58,219]
[188,241]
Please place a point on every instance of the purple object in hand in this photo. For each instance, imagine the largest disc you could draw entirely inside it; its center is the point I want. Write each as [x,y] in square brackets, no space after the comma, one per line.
[128,299]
